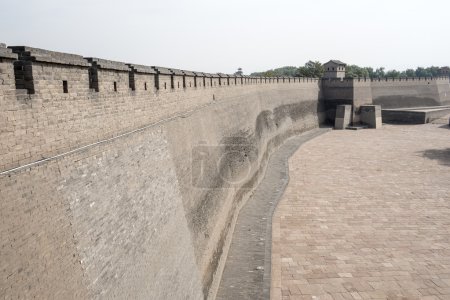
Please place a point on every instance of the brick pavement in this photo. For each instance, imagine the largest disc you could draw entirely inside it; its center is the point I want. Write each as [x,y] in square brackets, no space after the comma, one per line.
[366,215]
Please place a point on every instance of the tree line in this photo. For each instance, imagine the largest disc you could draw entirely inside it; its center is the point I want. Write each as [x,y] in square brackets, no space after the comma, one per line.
[315,69]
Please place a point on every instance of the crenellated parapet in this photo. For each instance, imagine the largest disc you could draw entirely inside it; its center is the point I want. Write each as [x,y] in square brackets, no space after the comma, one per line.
[142,78]
[86,99]
[108,76]
[51,102]
[409,79]
[50,73]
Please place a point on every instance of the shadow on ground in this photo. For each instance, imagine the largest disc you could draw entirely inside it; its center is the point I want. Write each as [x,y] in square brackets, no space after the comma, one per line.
[442,155]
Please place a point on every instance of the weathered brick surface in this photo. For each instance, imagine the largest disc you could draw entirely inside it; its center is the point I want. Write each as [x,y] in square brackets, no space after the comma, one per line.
[366,221]
[95,223]
[263,120]
[123,219]
[50,121]
[411,92]
[38,251]
[103,223]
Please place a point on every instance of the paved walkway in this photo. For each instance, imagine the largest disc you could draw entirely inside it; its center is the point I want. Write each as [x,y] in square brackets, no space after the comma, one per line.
[366,215]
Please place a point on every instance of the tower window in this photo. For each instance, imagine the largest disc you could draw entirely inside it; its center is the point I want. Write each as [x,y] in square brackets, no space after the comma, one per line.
[145,85]
[65,87]
[115,86]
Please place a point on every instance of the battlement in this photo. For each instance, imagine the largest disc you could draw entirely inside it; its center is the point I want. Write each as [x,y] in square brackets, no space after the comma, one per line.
[347,81]
[30,54]
[107,64]
[409,79]
[106,76]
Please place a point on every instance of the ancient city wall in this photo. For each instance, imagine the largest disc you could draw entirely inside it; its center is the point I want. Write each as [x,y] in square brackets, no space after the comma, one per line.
[133,184]
[119,180]
[411,92]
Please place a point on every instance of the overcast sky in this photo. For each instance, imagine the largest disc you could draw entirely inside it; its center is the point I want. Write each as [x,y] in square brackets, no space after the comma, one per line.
[220,36]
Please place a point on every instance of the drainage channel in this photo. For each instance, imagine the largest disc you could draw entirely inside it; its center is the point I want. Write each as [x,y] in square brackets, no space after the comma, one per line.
[247,270]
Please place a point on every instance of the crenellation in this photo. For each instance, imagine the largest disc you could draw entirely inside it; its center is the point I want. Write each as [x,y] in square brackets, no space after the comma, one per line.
[142,78]
[26,53]
[208,79]
[178,79]
[67,91]
[106,76]
[48,73]
[189,79]
[200,79]
[163,79]
[223,79]
[215,80]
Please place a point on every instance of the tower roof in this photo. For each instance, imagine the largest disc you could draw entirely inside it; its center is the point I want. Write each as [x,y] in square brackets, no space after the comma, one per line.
[337,62]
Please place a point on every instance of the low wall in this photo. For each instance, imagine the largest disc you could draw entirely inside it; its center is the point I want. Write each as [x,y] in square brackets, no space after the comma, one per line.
[134,194]
[414,115]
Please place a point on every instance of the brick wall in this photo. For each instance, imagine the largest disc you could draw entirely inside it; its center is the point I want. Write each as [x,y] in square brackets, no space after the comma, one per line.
[128,217]
[123,218]
[411,92]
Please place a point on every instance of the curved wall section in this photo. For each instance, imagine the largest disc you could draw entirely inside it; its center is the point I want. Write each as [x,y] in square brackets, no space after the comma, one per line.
[131,191]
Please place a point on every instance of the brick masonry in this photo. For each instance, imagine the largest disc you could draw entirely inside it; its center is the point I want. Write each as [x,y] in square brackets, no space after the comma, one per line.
[123,218]
[108,199]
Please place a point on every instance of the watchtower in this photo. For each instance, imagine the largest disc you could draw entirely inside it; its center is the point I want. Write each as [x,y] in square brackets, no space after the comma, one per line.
[334,69]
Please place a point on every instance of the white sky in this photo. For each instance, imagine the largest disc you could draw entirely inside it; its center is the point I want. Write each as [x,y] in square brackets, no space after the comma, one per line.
[220,36]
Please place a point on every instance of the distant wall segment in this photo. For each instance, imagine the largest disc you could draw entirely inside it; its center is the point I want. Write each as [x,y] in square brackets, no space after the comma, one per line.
[387,92]
[411,92]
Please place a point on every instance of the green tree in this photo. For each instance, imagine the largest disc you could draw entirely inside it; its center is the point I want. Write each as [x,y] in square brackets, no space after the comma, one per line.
[393,74]
[370,71]
[354,71]
[284,71]
[311,69]
[427,72]
[379,72]
[269,73]
[410,73]
[421,72]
